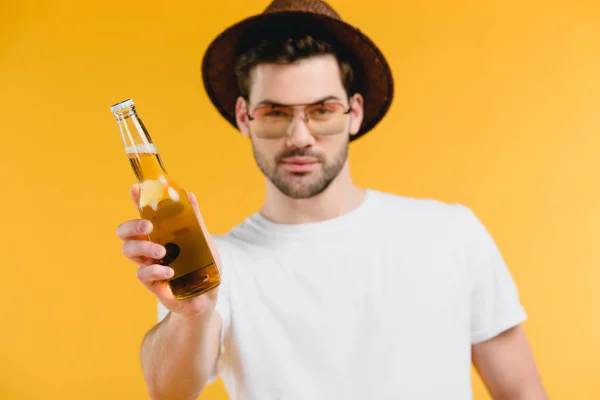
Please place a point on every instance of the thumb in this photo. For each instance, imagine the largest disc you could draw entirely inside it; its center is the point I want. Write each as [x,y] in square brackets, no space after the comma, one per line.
[135,193]
[194,203]
[209,239]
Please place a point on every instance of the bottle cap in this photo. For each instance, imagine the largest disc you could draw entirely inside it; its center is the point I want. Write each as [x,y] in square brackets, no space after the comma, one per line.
[121,105]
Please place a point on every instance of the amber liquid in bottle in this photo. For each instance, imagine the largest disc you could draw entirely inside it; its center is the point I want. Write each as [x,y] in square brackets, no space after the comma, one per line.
[166,205]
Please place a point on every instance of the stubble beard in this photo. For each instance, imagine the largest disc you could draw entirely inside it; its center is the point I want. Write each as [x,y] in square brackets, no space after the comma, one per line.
[301,185]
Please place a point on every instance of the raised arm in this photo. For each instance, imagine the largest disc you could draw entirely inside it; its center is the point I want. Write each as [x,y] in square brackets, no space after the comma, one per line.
[179,354]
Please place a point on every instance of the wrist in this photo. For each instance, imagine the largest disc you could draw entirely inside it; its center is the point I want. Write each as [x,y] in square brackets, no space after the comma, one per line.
[191,322]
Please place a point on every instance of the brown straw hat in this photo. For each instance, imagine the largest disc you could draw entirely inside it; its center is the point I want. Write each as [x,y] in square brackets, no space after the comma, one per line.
[373,78]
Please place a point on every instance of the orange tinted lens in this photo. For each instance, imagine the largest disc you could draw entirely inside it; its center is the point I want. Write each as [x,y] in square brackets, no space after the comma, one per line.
[271,122]
[326,119]
[269,113]
[324,111]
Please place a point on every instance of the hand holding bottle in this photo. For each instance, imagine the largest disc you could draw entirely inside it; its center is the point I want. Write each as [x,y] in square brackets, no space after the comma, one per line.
[138,248]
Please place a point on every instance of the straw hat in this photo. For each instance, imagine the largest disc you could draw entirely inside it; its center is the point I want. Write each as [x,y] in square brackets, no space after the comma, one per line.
[373,78]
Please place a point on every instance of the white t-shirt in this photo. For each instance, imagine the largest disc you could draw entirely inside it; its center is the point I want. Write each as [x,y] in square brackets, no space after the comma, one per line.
[381,303]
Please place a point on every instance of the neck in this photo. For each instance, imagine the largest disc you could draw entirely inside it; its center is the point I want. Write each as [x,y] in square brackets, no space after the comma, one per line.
[340,197]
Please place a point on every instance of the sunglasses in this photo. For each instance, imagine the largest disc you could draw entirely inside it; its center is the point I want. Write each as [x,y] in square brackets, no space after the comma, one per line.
[272,121]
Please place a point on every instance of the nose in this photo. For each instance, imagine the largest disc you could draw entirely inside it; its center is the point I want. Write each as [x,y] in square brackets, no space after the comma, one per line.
[299,134]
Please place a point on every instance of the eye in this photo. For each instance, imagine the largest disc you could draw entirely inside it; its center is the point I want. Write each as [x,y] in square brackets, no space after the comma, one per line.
[276,113]
[325,111]
[322,111]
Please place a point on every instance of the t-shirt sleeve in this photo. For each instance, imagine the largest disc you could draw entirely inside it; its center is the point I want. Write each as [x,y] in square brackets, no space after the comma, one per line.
[223,309]
[223,306]
[495,303]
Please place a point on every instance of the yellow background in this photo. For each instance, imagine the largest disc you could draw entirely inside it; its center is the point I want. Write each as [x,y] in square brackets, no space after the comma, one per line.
[497,106]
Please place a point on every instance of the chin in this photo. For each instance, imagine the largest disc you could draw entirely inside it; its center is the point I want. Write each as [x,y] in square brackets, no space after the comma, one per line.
[301,186]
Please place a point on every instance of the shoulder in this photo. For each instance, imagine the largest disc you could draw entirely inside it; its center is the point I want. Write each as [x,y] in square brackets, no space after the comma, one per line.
[423,209]
[428,220]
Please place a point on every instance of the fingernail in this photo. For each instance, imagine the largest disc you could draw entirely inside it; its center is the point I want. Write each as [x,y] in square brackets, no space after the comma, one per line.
[169,273]
[144,226]
[157,250]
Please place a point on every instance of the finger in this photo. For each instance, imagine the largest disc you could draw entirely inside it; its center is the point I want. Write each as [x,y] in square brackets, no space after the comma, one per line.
[134,249]
[143,261]
[135,193]
[134,228]
[194,202]
[209,239]
[151,274]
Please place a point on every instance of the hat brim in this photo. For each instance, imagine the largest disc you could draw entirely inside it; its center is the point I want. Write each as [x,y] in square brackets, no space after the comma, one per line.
[372,73]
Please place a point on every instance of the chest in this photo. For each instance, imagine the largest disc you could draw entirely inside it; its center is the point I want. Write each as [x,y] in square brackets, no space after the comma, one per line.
[351,292]
[311,318]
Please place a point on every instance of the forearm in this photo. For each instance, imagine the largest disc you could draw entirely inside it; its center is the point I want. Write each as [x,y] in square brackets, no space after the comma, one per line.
[507,367]
[178,357]
[532,390]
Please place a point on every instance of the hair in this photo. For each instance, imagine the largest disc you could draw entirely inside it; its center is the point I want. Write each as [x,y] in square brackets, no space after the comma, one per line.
[286,50]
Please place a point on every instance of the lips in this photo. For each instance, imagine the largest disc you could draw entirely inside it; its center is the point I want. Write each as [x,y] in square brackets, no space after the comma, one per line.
[299,164]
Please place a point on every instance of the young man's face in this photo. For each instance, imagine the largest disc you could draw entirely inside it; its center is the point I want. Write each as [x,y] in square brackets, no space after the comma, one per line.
[301,157]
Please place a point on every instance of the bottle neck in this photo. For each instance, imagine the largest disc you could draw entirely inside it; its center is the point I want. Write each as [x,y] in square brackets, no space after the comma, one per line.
[140,149]
[133,131]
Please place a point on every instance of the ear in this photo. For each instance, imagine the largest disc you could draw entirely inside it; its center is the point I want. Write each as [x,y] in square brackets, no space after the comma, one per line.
[241,116]
[356,113]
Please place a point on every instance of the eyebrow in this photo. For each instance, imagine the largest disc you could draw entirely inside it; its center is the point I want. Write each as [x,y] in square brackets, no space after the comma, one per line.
[273,103]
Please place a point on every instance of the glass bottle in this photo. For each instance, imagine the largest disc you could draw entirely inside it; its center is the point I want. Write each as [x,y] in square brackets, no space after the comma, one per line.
[164,203]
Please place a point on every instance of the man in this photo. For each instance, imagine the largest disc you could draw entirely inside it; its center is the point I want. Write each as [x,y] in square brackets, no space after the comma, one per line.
[330,291]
